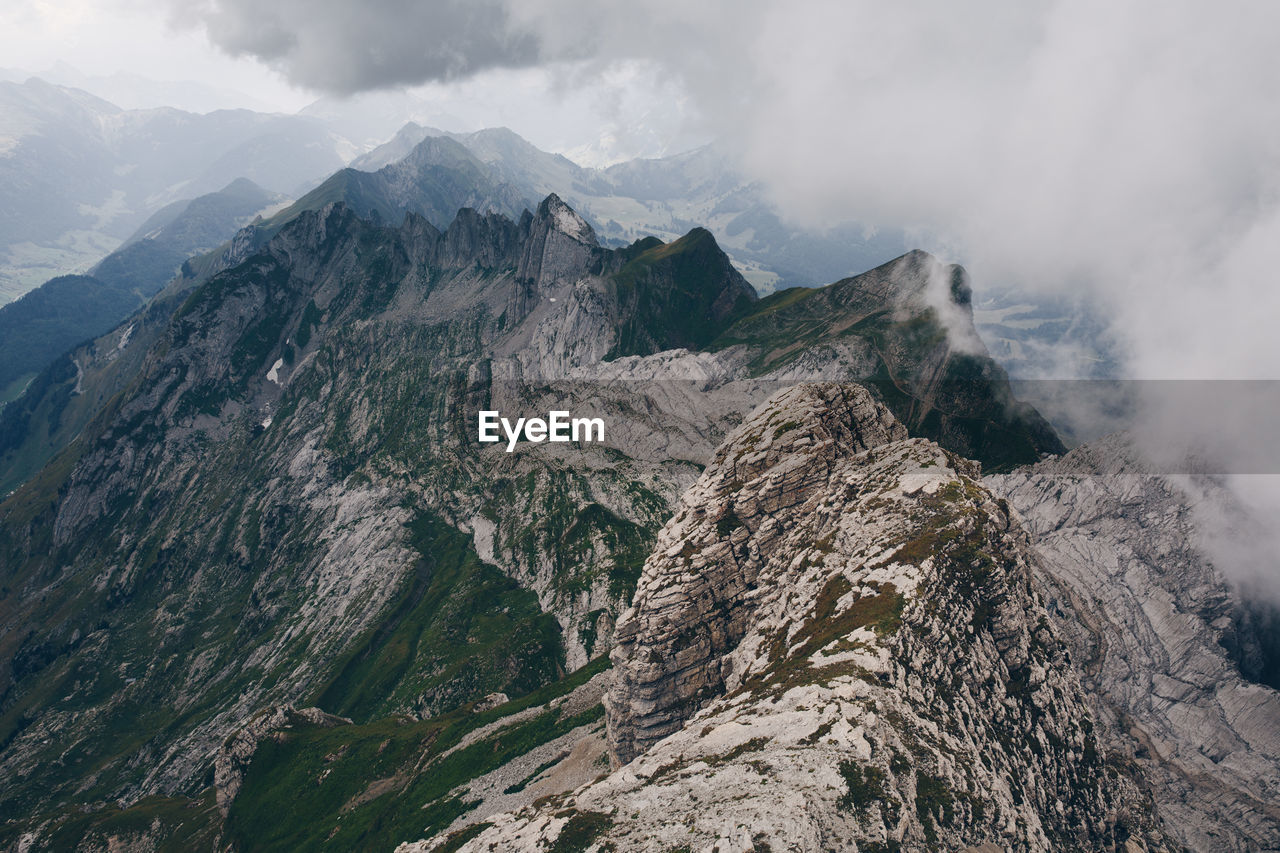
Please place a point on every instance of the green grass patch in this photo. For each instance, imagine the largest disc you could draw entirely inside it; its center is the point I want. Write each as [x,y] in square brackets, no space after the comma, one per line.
[934,802]
[456,840]
[580,832]
[786,428]
[864,785]
[314,788]
[162,824]
[881,611]
[460,629]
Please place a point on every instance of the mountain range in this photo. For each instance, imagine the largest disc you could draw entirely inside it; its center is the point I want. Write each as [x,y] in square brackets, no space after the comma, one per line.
[825,583]
[665,198]
[1031,334]
[82,174]
[304,411]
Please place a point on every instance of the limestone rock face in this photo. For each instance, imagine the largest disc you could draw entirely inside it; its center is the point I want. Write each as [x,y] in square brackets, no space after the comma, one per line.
[559,245]
[1146,616]
[838,643]
[688,613]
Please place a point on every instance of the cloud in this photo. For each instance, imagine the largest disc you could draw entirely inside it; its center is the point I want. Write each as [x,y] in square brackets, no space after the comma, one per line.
[1123,151]
[1234,519]
[342,48]
[100,44]
[940,294]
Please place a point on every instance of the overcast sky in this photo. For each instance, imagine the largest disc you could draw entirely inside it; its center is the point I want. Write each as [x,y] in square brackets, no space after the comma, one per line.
[598,114]
[1128,151]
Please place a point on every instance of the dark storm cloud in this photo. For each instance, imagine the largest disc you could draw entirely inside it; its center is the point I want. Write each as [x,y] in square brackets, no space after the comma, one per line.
[343,47]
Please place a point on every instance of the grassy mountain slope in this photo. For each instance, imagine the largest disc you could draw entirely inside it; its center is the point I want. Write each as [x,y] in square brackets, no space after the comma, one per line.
[677,295]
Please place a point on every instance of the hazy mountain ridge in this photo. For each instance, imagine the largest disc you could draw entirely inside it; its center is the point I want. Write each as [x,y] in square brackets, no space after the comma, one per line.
[665,198]
[39,424]
[508,174]
[78,175]
[1030,334]
[135,91]
[434,180]
[51,319]
[439,175]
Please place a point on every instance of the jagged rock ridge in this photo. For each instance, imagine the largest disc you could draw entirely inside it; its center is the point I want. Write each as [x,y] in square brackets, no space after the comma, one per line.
[838,642]
[670,646]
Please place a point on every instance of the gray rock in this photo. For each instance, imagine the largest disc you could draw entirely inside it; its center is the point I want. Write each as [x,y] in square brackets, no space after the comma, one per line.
[1145,614]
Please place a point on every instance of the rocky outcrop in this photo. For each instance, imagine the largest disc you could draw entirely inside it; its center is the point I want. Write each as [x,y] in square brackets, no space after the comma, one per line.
[841,639]
[676,295]
[559,245]
[1147,617]
[697,598]
[905,327]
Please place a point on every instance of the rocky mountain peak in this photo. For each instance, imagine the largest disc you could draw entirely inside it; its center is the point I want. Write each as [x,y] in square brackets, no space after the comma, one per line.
[558,247]
[678,294]
[812,420]
[562,218]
